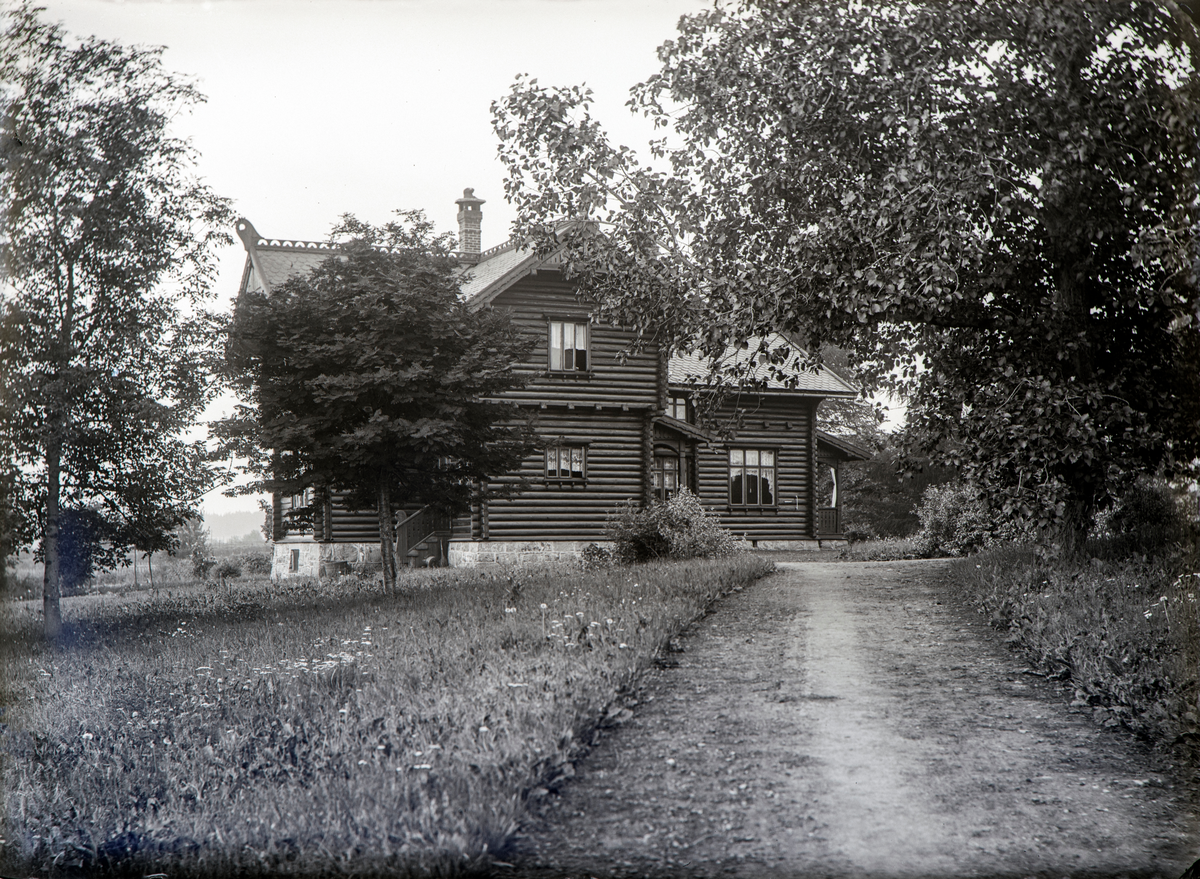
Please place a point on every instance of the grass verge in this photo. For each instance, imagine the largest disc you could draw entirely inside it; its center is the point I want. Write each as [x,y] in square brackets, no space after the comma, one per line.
[1125,633]
[320,729]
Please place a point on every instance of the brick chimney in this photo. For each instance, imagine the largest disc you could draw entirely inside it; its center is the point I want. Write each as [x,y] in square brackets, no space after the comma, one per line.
[470,223]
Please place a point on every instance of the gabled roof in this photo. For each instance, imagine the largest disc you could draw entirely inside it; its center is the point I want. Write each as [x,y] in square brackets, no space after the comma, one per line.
[689,367]
[274,260]
[497,269]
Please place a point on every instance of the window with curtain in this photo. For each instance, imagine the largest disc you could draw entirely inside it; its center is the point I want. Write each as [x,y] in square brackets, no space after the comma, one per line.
[568,346]
[566,463]
[667,475]
[752,477]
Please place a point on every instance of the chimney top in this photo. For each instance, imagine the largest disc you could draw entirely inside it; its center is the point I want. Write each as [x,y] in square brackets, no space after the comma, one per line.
[470,223]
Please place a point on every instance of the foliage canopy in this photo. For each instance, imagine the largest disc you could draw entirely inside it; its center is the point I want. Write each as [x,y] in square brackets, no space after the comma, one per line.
[993,208]
[370,375]
[106,354]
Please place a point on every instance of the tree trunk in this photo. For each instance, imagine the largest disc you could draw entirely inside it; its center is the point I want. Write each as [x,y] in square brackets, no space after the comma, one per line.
[1076,525]
[52,577]
[387,536]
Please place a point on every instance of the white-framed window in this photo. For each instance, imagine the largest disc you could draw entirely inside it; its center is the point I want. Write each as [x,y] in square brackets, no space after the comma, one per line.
[677,407]
[294,561]
[752,477]
[569,346]
[566,463]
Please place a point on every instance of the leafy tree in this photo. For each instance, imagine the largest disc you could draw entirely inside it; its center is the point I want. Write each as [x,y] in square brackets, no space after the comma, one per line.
[370,375]
[106,356]
[881,497]
[992,207]
[191,537]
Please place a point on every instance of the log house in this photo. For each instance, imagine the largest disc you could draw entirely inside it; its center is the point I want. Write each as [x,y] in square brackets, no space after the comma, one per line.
[616,426]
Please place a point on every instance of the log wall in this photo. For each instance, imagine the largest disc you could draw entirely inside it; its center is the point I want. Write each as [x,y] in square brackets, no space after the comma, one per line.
[785,425]
[633,382]
[567,511]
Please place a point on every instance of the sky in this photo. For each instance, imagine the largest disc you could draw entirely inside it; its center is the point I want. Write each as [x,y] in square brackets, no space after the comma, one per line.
[322,107]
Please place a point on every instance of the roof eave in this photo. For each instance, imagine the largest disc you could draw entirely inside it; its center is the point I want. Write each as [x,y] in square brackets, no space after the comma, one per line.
[852,451]
[683,427]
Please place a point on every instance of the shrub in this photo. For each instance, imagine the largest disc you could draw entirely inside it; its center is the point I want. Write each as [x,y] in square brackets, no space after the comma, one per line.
[1147,519]
[954,520]
[678,528]
[201,564]
[227,569]
[255,563]
[595,558]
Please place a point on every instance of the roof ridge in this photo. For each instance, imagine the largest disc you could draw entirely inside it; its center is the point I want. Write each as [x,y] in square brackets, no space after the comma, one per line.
[293,244]
[497,248]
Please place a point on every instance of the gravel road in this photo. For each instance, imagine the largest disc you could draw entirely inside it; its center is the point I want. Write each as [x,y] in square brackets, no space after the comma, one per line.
[854,720]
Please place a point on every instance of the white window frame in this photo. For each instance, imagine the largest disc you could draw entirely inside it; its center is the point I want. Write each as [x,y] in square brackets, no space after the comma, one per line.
[677,407]
[567,360]
[752,461]
[574,455]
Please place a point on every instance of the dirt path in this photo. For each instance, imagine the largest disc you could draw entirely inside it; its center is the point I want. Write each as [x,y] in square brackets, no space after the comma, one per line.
[842,720]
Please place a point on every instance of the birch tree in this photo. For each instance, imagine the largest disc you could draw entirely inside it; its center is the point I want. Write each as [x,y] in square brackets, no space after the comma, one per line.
[106,353]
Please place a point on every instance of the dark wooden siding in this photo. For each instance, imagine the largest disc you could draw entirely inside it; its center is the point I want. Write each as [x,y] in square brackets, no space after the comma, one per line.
[531,303]
[608,409]
[549,511]
[784,424]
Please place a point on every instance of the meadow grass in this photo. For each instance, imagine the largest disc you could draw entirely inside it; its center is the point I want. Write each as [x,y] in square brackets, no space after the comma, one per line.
[316,729]
[1124,632]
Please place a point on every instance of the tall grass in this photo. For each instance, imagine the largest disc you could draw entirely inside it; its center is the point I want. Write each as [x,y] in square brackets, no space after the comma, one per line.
[310,728]
[1124,632]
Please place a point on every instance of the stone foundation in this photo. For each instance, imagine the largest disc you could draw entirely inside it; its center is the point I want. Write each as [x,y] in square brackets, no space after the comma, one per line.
[470,553]
[805,545]
[322,559]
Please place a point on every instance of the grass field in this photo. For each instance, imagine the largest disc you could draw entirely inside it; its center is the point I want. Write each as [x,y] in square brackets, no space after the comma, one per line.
[1125,632]
[320,729]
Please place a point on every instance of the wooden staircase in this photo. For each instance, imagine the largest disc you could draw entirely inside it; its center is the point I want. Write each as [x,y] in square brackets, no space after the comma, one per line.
[421,539]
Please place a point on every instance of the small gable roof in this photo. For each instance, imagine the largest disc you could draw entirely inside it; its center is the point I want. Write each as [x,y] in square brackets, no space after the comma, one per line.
[841,447]
[689,368]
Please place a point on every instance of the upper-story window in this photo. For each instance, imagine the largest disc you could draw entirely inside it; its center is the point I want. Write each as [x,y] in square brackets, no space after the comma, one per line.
[569,346]
[752,477]
[677,406]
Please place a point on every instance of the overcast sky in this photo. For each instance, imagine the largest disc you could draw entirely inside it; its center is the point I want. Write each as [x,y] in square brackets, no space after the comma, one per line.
[320,107]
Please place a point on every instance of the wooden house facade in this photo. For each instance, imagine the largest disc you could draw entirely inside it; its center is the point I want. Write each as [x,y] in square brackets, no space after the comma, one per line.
[615,426]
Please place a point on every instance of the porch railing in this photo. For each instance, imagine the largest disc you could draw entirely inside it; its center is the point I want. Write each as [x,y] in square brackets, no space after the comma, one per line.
[829,521]
[421,536]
